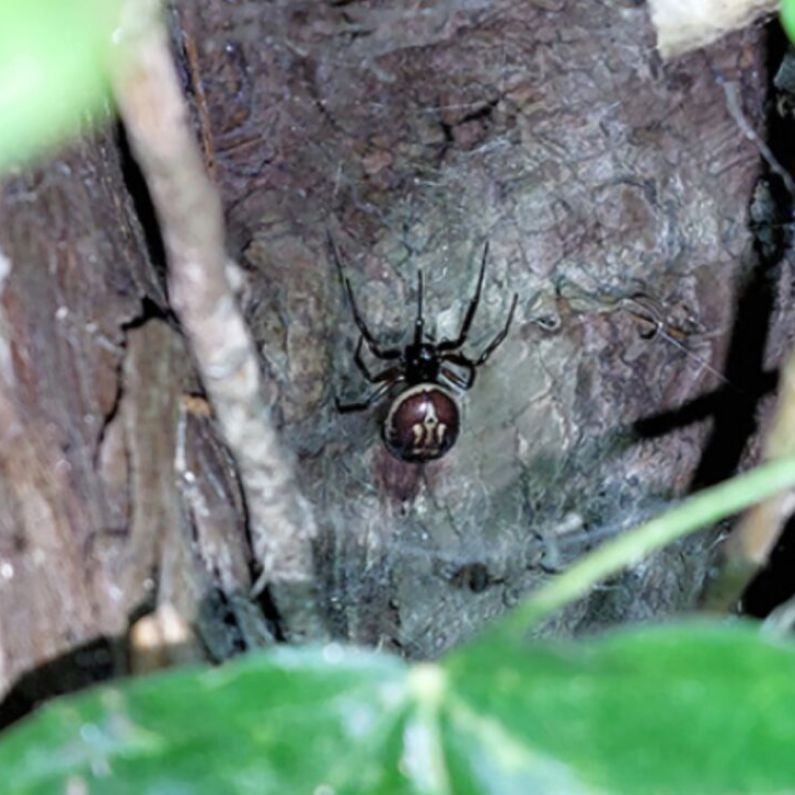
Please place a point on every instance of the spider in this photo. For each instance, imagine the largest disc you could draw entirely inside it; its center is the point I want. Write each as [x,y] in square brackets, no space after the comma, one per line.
[423,420]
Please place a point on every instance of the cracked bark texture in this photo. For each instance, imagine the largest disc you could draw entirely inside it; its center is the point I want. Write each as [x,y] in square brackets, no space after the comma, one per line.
[615,192]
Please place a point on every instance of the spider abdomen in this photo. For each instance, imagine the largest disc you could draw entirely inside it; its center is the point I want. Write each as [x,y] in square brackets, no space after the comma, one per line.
[422,424]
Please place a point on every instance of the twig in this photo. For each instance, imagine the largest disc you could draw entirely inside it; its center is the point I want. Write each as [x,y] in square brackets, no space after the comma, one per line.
[189,211]
[747,129]
[752,541]
[781,620]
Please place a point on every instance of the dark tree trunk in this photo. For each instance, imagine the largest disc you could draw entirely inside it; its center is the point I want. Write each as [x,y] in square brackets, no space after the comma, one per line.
[616,194]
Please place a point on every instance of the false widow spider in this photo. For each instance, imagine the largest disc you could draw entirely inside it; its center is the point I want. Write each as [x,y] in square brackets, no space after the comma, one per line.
[423,420]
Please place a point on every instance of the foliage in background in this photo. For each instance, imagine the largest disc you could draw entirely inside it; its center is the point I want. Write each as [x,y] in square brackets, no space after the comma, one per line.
[53,68]
[787,16]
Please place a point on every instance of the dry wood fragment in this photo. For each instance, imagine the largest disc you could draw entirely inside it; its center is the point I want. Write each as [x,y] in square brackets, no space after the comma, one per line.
[684,25]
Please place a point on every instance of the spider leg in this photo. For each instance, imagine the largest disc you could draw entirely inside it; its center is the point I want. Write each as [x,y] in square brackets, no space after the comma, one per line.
[419,323]
[390,373]
[372,343]
[450,345]
[373,397]
[458,380]
[359,362]
[492,346]
[462,382]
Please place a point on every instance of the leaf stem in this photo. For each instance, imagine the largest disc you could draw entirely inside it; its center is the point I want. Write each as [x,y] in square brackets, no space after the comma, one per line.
[700,510]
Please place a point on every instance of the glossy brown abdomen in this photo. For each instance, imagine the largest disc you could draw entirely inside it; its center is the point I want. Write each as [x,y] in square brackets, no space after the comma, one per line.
[422,424]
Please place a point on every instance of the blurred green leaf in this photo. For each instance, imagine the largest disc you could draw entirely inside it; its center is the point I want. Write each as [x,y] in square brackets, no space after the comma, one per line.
[787,14]
[262,724]
[53,71]
[705,708]
[690,708]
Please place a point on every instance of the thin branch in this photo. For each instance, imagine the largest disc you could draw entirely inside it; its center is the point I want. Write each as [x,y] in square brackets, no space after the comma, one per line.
[189,211]
[765,152]
[750,544]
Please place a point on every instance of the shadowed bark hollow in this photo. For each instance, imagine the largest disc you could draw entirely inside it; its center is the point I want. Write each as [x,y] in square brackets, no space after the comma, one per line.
[617,195]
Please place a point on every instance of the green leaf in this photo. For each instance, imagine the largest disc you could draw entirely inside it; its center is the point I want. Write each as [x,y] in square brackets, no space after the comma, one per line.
[704,708]
[787,16]
[697,708]
[53,71]
[263,724]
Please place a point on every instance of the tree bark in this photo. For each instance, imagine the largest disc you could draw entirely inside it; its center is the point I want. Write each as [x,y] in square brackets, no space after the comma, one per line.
[616,194]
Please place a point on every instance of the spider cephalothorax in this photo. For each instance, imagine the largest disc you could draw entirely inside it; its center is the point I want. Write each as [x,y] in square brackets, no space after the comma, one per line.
[423,420]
